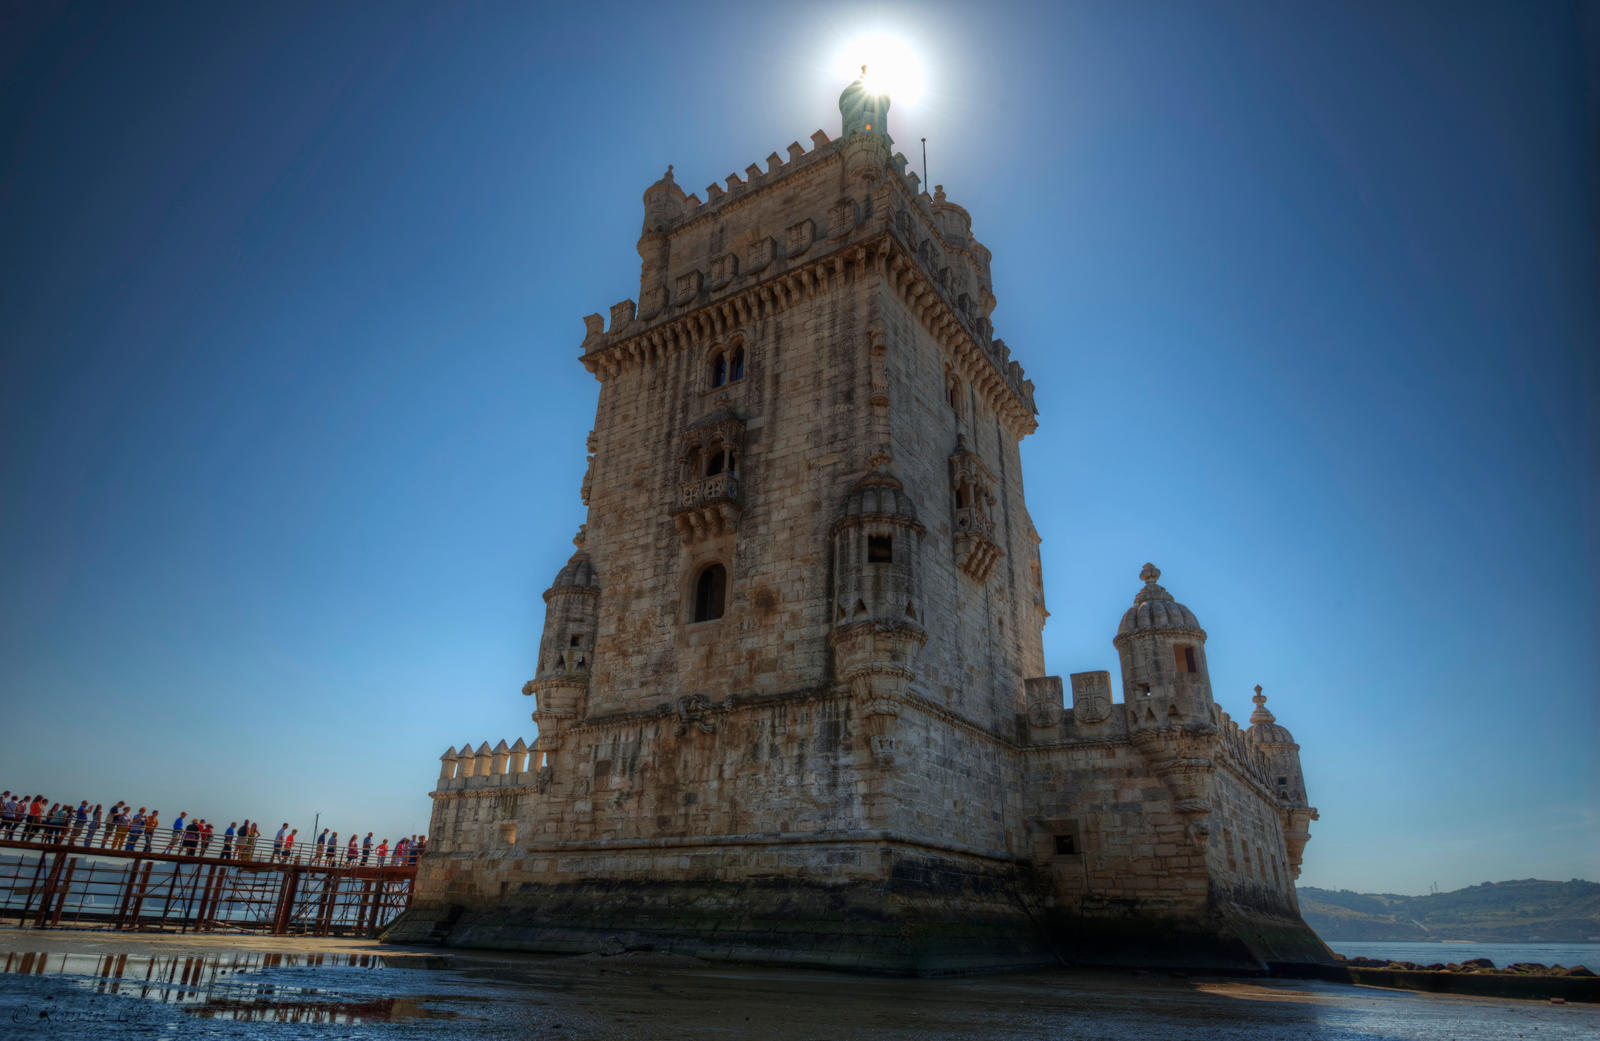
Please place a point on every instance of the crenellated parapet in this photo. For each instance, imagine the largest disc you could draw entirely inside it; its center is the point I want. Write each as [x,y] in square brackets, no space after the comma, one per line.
[503,766]
[750,251]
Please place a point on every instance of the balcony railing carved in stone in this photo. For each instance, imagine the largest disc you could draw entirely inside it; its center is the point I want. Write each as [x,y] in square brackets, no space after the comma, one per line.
[708,506]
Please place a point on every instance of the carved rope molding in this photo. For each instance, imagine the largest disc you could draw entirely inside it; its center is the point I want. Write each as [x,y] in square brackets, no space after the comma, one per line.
[886,255]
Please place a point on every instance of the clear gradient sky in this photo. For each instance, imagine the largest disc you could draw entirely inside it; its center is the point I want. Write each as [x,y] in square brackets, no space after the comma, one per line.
[292,425]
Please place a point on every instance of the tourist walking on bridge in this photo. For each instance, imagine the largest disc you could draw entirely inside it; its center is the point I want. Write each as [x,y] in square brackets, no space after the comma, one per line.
[117,825]
[177,832]
[151,823]
[135,829]
[366,849]
[227,841]
[350,852]
[80,817]
[383,851]
[288,845]
[94,825]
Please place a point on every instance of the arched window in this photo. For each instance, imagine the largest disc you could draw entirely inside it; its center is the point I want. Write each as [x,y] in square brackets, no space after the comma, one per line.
[709,592]
[719,369]
[736,365]
[880,549]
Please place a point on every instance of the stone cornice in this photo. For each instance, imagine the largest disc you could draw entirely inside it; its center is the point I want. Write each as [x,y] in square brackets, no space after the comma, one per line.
[1002,386]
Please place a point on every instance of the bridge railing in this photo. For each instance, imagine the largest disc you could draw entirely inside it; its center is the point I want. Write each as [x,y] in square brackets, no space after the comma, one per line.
[44,885]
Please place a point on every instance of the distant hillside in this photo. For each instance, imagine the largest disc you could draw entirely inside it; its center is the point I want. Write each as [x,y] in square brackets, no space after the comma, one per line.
[1528,910]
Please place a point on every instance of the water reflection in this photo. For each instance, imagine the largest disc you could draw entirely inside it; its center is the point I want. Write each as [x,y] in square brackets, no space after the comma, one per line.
[236,986]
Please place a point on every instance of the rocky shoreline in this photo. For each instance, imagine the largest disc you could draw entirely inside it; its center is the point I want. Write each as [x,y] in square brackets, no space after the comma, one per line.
[1478,976]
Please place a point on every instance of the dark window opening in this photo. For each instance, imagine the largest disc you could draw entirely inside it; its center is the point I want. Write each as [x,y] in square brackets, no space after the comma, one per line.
[719,370]
[736,365]
[1283,780]
[714,467]
[709,592]
[961,497]
[1185,656]
[1144,689]
[880,549]
[577,641]
[1065,846]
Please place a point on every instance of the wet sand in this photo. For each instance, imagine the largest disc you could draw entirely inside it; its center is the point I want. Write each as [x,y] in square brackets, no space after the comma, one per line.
[111,985]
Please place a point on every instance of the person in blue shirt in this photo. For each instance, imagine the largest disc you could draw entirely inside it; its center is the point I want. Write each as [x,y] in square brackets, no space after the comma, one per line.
[177,832]
[227,840]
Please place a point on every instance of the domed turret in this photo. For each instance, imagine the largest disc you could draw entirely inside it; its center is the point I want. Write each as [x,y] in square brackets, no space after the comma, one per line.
[1278,747]
[1164,675]
[1282,757]
[1154,608]
[877,621]
[864,111]
[664,202]
[572,605]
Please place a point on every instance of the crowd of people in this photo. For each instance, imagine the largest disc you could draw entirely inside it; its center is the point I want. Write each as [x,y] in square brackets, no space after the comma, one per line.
[25,818]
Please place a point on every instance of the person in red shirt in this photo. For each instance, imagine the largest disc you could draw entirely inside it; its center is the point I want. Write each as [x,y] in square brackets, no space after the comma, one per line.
[383,851]
[288,846]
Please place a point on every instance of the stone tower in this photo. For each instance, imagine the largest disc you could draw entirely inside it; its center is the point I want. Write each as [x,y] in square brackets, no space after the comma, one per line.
[791,694]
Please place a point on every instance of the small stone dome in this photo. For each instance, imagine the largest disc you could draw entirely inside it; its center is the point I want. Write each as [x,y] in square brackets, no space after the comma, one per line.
[880,494]
[864,112]
[1154,608]
[577,574]
[1264,726]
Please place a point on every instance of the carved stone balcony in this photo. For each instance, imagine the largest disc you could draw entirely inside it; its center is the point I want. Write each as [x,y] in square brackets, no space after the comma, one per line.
[708,506]
[976,550]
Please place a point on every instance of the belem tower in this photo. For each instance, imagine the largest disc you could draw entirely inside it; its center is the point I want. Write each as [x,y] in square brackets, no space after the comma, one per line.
[791,695]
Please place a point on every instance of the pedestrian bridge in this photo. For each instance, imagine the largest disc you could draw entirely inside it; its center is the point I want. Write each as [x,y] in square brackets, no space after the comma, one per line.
[45,885]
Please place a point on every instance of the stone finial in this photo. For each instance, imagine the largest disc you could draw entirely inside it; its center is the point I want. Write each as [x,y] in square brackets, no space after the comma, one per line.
[578,540]
[528,689]
[501,747]
[1262,714]
[1151,591]
[449,753]
[879,460]
[938,194]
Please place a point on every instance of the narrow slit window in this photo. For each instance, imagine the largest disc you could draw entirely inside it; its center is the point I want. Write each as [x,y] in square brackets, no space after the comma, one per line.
[719,369]
[736,365]
[880,549]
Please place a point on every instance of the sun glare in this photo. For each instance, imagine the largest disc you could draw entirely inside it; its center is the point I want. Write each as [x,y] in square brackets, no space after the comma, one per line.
[893,68]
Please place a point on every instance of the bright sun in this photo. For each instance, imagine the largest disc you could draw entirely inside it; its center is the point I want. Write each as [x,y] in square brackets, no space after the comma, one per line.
[892,66]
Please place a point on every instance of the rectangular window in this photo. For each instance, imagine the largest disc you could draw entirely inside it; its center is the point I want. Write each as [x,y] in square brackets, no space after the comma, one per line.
[880,549]
[1065,845]
[1185,656]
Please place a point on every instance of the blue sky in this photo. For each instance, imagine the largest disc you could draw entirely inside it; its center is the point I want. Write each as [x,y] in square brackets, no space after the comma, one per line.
[293,424]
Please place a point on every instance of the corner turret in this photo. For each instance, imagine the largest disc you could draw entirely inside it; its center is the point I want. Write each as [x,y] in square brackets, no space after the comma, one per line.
[565,650]
[1282,756]
[864,111]
[1164,673]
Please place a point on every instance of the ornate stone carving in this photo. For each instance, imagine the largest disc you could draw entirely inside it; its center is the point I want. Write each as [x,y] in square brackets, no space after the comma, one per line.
[691,710]
[798,238]
[1091,697]
[972,519]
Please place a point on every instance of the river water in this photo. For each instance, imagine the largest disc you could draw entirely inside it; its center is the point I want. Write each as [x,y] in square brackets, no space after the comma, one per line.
[58,984]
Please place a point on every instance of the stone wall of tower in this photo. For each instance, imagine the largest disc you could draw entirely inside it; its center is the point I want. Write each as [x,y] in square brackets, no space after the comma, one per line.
[802,410]
[983,636]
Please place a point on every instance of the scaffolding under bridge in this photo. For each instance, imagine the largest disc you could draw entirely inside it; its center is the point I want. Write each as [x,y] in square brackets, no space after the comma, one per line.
[47,885]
